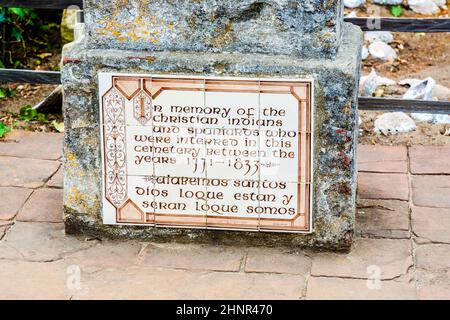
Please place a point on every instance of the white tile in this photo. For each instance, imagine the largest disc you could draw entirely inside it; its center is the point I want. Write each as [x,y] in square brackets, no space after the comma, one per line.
[235,205]
[135,203]
[279,200]
[279,111]
[140,110]
[284,209]
[179,154]
[136,112]
[233,153]
[279,155]
[234,198]
[181,109]
[179,198]
[234,109]
[140,141]
[181,202]
[206,159]
[140,190]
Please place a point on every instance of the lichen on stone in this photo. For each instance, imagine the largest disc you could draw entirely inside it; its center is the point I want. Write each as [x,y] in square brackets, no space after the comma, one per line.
[303,28]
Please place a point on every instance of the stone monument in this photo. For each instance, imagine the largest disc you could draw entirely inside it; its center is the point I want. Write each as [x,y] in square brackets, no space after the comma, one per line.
[225,121]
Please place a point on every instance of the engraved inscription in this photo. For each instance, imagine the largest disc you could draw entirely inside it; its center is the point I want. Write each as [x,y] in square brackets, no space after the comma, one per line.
[207,152]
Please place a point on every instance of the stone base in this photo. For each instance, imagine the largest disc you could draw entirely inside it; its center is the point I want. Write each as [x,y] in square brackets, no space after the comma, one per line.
[335,132]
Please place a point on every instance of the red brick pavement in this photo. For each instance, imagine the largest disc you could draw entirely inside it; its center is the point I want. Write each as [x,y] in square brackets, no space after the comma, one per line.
[401,248]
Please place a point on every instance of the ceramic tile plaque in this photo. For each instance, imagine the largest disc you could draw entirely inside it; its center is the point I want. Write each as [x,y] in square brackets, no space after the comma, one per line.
[211,153]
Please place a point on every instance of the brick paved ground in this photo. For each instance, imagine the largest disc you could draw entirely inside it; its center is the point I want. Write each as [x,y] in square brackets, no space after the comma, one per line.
[403,237]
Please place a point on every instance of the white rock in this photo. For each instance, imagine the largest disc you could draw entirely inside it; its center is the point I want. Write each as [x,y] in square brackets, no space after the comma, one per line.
[353,3]
[409,82]
[387,1]
[368,84]
[393,123]
[441,93]
[372,36]
[440,3]
[421,90]
[364,53]
[431,118]
[442,119]
[351,15]
[423,117]
[423,6]
[382,81]
[427,90]
[381,50]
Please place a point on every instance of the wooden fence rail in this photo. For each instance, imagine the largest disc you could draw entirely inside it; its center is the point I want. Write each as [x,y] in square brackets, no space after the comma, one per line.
[30,76]
[389,104]
[402,25]
[365,103]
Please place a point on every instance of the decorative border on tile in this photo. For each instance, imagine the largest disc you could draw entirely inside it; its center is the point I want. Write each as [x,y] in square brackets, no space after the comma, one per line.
[114,141]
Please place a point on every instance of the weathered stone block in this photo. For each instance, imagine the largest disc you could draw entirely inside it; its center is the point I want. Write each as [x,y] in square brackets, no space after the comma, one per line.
[306,28]
[335,121]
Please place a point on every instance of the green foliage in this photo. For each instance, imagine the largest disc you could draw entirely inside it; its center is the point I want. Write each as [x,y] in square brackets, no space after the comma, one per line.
[27,113]
[6,93]
[23,34]
[4,129]
[396,11]
[59,126]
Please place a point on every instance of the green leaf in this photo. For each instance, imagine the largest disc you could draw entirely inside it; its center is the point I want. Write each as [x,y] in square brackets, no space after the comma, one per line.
[41,117]
[396,11]
[27,113]
[4,129]
[6,92]
[2,66]
[16,34]
[10,92]
[17,64]
[18,12]
[33,14]
[59,126]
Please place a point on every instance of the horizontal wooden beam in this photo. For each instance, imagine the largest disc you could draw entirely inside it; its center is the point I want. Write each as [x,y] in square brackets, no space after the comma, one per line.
[402,25]
[365,103]
[41,4]
[419,106]
[30,76]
